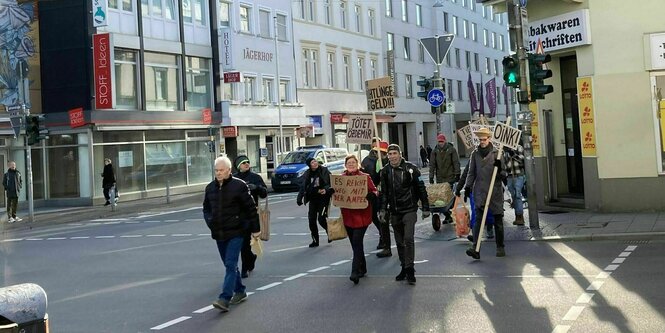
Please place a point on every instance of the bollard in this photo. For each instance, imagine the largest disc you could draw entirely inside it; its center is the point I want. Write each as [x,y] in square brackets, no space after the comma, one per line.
[168,192]
[23,309]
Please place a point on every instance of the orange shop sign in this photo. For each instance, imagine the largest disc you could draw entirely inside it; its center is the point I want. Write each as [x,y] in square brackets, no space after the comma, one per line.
[230,131]
[587,117]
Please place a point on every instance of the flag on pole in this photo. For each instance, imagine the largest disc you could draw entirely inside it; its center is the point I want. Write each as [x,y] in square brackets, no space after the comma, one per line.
[473,100]
[504,90]
[490,87]
[481,100]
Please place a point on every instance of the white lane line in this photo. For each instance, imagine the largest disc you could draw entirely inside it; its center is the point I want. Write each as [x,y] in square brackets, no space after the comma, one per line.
[132,222]
[104,237]
[611,267]
[107,223]
[291,248]
[152,221]
[155,235]
[293,277]
[420,261]
[595,285]
[93,223]
[295,234]
[574,312]
[171,220]
[286,217]
[76,224]
[13,240]
[202,310]
[603,275]
[561,329]
[56,238]
[268,286]
[131,236]
[193,220]
[631,248]
[584,298]
[318,269]
[80,237]
[34,239]
[204,234]
[618,260]
[170,323]
[181,235]
[340,262]
[109,220]
[624,254]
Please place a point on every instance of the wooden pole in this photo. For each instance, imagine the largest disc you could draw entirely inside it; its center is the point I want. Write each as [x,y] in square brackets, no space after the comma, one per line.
[376,134]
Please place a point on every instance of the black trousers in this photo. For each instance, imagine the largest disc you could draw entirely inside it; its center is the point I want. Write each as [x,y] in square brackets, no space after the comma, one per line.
[356,235]
[498,227]
[317,213]
[382,226]
[246,254]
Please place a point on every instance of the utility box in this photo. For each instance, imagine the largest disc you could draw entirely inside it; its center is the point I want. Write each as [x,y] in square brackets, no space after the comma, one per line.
[23,309]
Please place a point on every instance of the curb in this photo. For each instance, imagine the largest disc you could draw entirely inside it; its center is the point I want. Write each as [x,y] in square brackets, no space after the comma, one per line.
[633,236]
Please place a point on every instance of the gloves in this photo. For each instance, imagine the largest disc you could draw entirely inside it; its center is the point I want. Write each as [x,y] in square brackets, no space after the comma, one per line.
[299,202]
[426,214]
[467,193]
[370,196]
[458,192]
[431,180]
[252,187]
[497,164]
[382,215]
[456,178]
[331,191]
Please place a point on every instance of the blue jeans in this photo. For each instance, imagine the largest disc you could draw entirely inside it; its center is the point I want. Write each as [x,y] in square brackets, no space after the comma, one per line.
[515,185]
[229,251]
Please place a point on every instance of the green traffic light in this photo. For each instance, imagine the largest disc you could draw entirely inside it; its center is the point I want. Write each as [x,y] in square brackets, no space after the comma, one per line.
[512,78]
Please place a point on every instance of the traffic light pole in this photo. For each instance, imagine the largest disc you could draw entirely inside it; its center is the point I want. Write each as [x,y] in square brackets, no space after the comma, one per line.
[438,84]
[28,167]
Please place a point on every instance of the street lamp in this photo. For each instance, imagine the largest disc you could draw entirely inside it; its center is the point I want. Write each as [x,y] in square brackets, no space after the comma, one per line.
[280,145]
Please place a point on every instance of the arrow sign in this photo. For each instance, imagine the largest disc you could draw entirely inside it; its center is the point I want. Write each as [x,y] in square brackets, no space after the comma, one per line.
[16,125]
[507,135]
[436,97]
[437,47]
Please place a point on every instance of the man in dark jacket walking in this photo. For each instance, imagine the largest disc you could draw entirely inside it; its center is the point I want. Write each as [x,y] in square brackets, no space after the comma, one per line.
[315,189]
[258,189]
[401,189]
[372,166]
[108,181]
[444,165]
[229,211]
[12,182]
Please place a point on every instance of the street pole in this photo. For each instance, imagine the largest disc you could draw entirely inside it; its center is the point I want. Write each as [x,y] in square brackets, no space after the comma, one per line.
[438,84]
[519,13]
[280,146]
[28,160]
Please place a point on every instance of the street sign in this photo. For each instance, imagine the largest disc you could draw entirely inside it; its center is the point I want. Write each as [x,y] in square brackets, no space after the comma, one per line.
[507,135]
[436,97]
[437,47]
[450,107]
[16,125]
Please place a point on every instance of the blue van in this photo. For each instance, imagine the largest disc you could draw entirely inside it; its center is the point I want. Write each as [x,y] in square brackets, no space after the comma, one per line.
[288,175]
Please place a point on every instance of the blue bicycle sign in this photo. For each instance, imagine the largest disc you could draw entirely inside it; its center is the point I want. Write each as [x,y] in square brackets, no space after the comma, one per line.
[436,97]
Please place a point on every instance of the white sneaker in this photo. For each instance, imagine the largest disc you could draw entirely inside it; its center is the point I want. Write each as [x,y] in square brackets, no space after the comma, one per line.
[18,219]
[11,220]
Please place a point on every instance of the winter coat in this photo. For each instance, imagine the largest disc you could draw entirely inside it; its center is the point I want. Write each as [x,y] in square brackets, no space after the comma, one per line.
[309,189]
[12,182]
[401,188]
[260,190]
[358,218]
[108,176]
[369,166]
[479,178]
[229,210]
[444,163]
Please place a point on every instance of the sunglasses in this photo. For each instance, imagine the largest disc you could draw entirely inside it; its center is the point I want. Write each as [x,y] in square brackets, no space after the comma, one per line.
[483,139]
[246,162]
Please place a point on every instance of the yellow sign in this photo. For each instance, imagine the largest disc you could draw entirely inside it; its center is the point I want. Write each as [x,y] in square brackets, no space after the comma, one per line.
[535,132]
[586,114]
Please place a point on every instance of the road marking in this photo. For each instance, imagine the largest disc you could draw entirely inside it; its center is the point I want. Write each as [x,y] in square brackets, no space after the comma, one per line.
[171,221]
[109,220]
[56,238]
[631,248]
[133,222]
[611,267]
[169,323]
[595,285]
[34,239]
[420,261]
[584,298]
[155,235]
[285,218]
[293,277]
[104,237]
[619,260]
[294,234]
[152,221]
[603,275]
[131,236]
[181,235]
[268,286]
[340,262]
[80,237]
[574,312]
[318,269]
[624,254]
[290,248]
[561,329]
[202,310]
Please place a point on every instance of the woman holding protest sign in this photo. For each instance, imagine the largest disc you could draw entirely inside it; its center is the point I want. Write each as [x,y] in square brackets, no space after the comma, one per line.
[354,197]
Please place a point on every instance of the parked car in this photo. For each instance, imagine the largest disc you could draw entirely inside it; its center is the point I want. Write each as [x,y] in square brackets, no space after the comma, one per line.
[288,175]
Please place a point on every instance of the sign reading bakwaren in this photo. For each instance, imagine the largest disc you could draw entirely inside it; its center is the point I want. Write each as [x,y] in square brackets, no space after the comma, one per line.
[380,94]
[561,31]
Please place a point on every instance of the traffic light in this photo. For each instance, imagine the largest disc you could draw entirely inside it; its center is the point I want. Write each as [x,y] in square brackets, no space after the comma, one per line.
[425,86]
[511,71]
[537,76]
[35,129]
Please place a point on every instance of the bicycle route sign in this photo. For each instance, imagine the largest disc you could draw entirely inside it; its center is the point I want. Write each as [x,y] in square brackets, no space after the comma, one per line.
[436,97]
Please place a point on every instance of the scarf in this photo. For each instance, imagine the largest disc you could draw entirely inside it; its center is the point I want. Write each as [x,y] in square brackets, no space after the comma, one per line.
[484,151]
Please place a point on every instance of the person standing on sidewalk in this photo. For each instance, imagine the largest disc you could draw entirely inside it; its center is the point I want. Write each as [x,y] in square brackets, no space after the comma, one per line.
[370,165]
[356,221]
[423,156]
[482,162]
[258,189]
[108,180]
[401,189]
[12,183]
[444,165]
[515,170]
[316,190]
[229,210]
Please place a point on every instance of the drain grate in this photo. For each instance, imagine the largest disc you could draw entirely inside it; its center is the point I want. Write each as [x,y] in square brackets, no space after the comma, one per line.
[636,242]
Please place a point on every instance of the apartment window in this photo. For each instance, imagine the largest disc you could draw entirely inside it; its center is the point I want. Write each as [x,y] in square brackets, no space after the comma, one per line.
[485,11]
[250,86]
[408,84]
[310,10]
[473,5]
[490,13]
[455,31]
[494,40]
[327,9]
[459,91]
[125,5]
[457,59]
[421,52]
[358,13]
[264,23]
[162,84]
[389,8]
[419,15]
[496,67]
[474,32]
[372,68]
[451,92]
[390,40]
[501,46]
[343,14]
[487,66]
[464,3]
[446,28]
[405,12]
[268,90]
[361,74]
[154,8]
[499,18]
[372,21]
[466,28]
[224,14]
[448,60]
[125,79]
[485,37]
[245,19]
[284,91]
[229,91]
[192,11]
[476,62]
[310,68]
[347,71]
[281,27]
[407,48]
[468,58]
[331,69]
[199,84]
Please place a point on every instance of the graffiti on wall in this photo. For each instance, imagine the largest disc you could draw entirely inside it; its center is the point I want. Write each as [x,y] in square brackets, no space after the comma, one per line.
[18,31]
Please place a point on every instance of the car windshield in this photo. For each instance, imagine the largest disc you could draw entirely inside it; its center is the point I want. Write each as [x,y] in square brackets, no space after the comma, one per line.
[297,157]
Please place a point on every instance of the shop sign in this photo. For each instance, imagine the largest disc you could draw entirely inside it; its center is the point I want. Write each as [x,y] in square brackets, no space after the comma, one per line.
[100,10]
[207,116]
[101,57]
[76,118]
[561,31]
[230,131]
[587,118]
[231,77]
[225,46]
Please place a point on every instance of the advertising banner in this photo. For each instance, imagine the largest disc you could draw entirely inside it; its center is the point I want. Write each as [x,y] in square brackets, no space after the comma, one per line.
[586,115]
[101,57]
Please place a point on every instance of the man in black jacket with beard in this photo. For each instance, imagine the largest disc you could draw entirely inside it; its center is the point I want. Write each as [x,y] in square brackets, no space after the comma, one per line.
[229,211]
[316,190]
[258,189]
[401,189]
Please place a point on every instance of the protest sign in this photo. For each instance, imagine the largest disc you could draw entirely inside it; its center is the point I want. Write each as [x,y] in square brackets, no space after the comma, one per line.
[360,129]
[380,94]
[350,191]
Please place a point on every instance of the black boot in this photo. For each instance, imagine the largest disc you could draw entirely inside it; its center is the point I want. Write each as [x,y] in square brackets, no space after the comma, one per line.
[315,241]
[411,275]
[354,277]
[401,276]
[384,253]
[252,263]
[471,252]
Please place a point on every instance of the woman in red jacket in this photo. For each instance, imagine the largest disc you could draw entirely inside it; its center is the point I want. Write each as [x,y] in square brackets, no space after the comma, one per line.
[356,221]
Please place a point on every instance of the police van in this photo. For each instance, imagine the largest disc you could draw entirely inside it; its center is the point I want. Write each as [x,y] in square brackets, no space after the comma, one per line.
[288,175]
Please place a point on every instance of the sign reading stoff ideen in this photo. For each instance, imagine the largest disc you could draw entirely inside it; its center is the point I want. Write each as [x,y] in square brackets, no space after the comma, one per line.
[380,94]
[507,135]
[360,129]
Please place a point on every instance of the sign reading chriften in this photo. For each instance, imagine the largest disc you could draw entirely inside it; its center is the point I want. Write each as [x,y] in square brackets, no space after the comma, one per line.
[360,129]
[350,191]
[380,94]
[561,31]
[101,57]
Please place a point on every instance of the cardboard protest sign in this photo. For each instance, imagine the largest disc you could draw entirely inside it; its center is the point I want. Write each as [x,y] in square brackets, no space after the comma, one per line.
[509,136]
[380,94]
[465,135]
[360,129]
[350,191]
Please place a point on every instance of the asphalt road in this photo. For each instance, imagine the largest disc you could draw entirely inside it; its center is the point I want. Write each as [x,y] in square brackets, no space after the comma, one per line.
[159,271]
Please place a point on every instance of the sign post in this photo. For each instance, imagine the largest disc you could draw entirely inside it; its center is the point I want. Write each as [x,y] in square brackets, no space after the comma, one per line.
[437,47]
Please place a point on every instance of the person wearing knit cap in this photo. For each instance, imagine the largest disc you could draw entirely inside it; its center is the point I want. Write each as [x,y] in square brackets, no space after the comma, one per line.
[444,165]
[372,166]
[315,189]
[258,189]
[401,189]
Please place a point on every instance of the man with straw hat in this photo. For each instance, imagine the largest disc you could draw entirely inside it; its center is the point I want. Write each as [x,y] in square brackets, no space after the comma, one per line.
[481,166]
